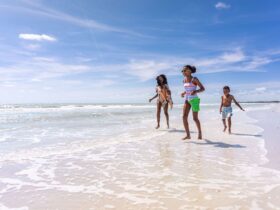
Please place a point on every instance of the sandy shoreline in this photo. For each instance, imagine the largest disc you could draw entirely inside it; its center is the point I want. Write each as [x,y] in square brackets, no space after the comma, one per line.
[269,120]
[221,172]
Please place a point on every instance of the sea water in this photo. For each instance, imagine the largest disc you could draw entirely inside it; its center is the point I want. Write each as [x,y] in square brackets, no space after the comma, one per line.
[104,156]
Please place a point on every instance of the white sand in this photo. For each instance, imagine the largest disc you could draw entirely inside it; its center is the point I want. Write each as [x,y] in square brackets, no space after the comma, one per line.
[221,172]
[269,120]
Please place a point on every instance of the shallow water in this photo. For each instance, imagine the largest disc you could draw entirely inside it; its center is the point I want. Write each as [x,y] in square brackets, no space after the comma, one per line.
[111,157]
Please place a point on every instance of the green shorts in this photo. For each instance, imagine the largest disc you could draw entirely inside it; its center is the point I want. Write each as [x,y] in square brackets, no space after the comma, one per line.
[195,104]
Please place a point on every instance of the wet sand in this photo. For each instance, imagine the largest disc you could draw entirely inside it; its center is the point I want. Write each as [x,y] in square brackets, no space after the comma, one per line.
[220,172]
[269,120]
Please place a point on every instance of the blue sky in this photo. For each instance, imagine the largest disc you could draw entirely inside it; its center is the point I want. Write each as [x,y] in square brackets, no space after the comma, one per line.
[94,51]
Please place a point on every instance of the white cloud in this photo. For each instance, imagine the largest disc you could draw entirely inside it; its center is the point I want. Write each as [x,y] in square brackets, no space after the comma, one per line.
[222,5]
[33,70]
[42,10]
[37,37]
[32,47]
[243,91]
[47,79]
[38,69]
[235,56]
[147,69]
[143,69]
[84,59]
[258,61]
[260,89]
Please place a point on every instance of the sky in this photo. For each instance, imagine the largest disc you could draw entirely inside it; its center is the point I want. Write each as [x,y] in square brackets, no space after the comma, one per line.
[110,51]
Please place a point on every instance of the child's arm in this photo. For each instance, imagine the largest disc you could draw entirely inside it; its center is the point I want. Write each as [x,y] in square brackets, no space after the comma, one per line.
[169,98]
[237,104]
[183,93]
[168,90]
[150,100]
[200,85]
[169,93]
[221,105]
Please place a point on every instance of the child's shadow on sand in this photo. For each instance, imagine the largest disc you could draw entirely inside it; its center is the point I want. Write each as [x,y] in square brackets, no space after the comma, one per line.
[234,134]
[178,131]
[246,134]
[218,144]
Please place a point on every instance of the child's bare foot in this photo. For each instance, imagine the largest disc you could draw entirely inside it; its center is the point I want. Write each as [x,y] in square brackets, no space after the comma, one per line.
[225,128]
[187,137]
[157,127]
[199,136]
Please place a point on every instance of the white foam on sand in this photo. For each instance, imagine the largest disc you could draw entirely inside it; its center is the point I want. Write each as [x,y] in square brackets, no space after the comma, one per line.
[2,207]
[153,171]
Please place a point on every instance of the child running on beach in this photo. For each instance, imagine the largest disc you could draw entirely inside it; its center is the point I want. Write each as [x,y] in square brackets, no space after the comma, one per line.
[163,94]
[192,101]
[226,109]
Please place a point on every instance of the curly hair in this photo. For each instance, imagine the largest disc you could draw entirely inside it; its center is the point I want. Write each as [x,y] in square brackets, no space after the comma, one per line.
[164,80]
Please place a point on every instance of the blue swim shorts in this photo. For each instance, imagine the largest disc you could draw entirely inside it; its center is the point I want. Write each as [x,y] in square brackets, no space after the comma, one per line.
[226,112]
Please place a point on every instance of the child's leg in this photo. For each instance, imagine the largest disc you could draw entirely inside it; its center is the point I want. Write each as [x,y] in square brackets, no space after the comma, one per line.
[158,114]
[166,114]
[197,122]
[229,125]
[186,111]
[225,125]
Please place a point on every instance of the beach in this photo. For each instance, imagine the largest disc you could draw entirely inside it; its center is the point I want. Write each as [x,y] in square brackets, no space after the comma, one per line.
[86,156]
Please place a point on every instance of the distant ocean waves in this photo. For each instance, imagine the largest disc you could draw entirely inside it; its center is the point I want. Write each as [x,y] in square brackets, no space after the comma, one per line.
[40,125]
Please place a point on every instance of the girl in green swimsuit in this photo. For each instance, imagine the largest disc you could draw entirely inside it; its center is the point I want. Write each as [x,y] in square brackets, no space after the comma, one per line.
[191,99]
